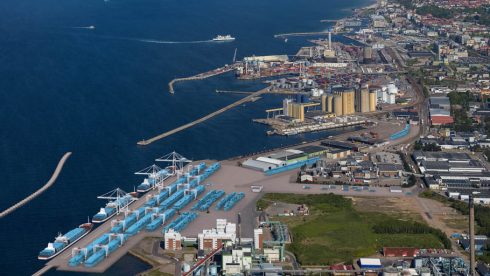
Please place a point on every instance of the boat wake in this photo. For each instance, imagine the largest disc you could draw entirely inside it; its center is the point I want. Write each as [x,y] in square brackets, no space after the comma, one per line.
[172,42]
[91,27]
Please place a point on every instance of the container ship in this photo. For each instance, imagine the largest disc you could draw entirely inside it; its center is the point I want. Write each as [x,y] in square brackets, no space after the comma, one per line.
[113,207]
[155,176]
[223,38]
[62,242]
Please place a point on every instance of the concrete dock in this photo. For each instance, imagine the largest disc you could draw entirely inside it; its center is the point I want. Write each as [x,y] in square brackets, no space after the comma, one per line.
[219,180]
[50,183]
[284,35]
[250,97]
[205,75]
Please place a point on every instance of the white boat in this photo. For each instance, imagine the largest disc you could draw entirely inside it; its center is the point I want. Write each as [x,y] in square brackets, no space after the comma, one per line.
[223,38]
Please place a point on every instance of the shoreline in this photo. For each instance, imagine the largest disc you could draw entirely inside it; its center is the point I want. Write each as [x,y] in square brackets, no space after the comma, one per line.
[304,141]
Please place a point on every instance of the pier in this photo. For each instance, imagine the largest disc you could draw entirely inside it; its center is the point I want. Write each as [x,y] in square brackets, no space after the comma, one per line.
[303,34]
[205,75]
[251,97]
[233,92]
[50,183]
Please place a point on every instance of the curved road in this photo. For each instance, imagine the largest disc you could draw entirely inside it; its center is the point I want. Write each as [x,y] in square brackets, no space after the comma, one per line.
[41,190]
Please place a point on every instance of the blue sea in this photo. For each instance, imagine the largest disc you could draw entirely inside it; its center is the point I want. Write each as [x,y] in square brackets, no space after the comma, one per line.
[96,92]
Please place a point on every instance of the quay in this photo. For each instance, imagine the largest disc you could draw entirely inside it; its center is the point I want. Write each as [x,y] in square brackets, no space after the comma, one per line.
[303,34]
[251,97]
[233,92]
[60,262]
[50,183]
[201,76]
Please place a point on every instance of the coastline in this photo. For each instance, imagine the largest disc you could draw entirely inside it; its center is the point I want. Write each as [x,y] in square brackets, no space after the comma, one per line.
[153,264]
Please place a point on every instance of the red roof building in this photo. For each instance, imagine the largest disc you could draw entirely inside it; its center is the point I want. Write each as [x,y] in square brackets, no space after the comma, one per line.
[441,120]
[400,252]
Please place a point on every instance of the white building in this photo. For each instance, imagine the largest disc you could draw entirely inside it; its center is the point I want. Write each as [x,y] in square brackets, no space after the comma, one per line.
[224,233]
[172,240]
[258,238]
[235,261]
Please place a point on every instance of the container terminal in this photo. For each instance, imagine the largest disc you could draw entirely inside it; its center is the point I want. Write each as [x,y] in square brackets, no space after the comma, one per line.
[191,199]
[166,206]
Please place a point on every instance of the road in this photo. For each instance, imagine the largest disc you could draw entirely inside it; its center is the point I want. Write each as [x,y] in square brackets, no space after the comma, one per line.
[154,252]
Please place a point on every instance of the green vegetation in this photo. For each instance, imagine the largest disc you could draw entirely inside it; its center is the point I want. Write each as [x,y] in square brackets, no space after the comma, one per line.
[482,213]
[482,216]
[460,104]
[406,3]
[427,147]
[403,157]
[435,11]
[479,15]
[395,226]
[335,232]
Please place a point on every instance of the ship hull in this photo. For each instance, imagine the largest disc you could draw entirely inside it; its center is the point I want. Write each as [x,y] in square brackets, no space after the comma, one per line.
[45,258]
[115,213]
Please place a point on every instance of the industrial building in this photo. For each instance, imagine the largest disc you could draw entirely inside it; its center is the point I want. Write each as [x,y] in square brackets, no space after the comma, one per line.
[258,239]
[224,233]
[286,157]
[172,240]
[236,260]
[362,99]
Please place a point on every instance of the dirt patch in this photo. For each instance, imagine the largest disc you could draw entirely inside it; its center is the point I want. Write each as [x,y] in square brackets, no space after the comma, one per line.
[402,207]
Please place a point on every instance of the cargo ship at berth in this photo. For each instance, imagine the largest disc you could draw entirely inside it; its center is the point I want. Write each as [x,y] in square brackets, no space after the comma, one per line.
[119,200]
[62,242]
[155,176]
[223,38]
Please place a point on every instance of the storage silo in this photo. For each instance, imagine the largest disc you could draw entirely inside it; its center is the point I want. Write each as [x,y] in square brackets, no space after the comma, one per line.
[337,104]
[348,102]
[330,103]
[364,99]
[372,100]
[324,103]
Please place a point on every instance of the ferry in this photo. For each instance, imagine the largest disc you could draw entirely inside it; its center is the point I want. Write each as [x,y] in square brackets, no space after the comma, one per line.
[113,207]
[223,38]
[62,242]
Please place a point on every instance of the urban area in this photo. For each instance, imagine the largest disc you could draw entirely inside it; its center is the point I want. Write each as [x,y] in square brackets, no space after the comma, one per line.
[404,189]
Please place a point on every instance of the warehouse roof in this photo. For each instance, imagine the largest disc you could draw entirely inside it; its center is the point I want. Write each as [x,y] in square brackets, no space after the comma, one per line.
[371,262]
[271,160]
[439,112]
[311,149]
[441,120]
[439,100]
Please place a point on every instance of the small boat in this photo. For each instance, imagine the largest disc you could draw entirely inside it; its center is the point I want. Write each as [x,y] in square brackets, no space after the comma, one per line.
[223,38]
[62,242]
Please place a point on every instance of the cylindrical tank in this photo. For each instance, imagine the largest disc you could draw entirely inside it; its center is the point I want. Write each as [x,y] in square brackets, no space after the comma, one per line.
[364,99]
[213,270]
[337,105]
[372,100]
[330,103]
[348,102]
[186,267]
[324,103]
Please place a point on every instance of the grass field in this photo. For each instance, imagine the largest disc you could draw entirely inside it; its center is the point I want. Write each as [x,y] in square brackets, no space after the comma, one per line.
[335,232]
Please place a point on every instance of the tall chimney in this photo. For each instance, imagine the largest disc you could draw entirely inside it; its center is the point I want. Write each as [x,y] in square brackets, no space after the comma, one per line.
[239,228]
[472,236]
